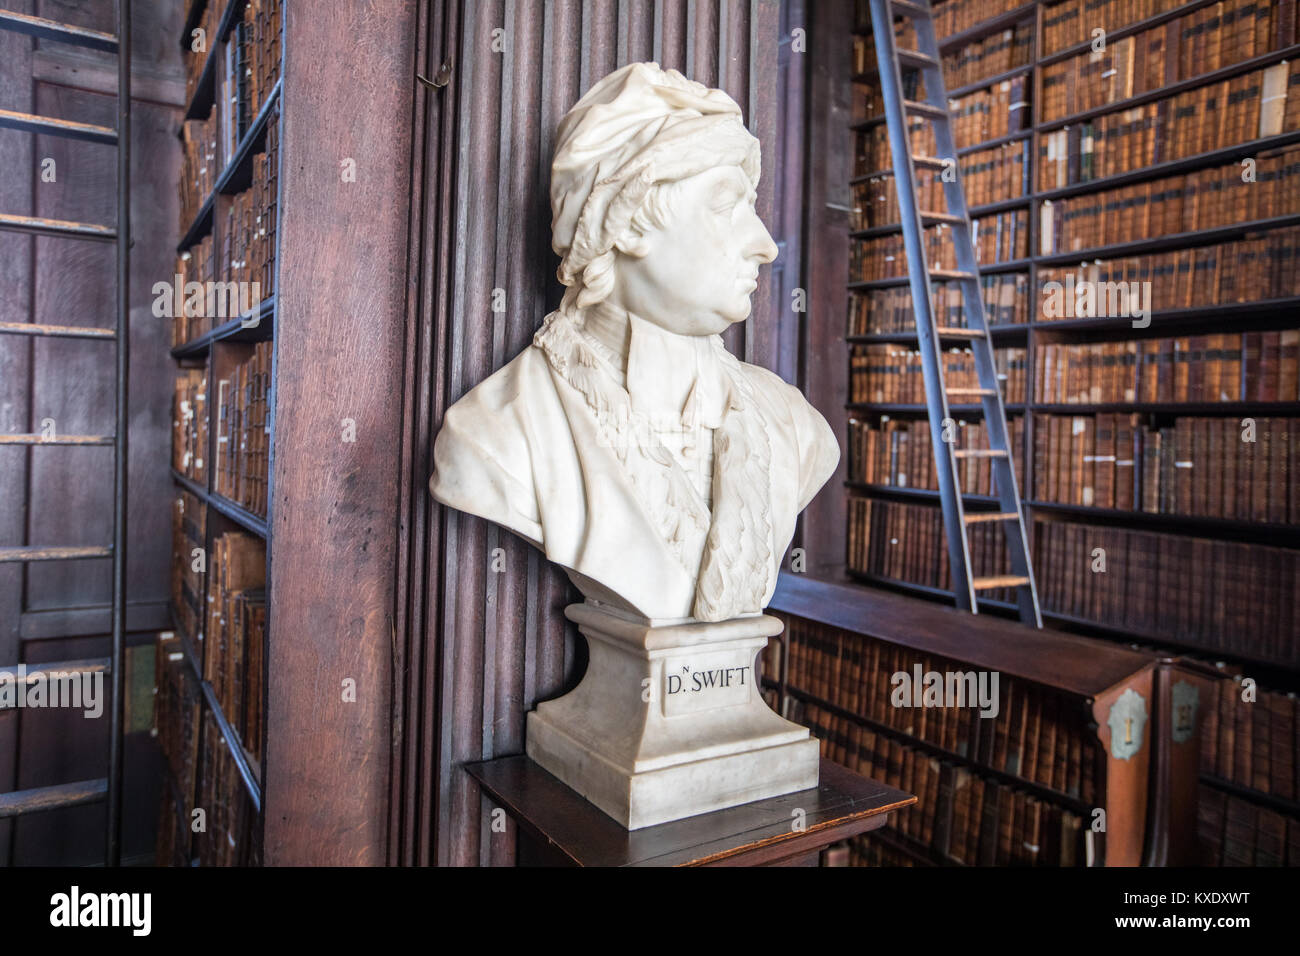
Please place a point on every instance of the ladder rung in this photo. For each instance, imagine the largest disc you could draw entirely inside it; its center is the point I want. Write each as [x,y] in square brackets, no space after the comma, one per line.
[937,218]
[908,8]
[999,581]
[32,672]
[31,553]
[57,440]
[915,59]
[980,517]
[63,331]
[18,802]
[930,162]
[56,227]
[32,123]
[951,274]
[981,392]
[54,30]
[925,109]
[979,453]
[952,332]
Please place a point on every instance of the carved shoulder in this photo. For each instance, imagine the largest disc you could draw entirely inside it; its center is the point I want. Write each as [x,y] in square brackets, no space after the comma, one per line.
[819,452]
[481,459]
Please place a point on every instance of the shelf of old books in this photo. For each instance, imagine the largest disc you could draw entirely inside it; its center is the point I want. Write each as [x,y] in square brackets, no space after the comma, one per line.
[1133,170]
[1013,789]
[222,309]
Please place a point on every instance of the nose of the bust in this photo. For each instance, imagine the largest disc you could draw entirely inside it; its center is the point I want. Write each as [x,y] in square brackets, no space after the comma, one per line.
[760,246]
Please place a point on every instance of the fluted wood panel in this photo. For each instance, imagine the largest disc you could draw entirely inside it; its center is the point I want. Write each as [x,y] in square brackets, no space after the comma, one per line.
[828,201]
[477,648]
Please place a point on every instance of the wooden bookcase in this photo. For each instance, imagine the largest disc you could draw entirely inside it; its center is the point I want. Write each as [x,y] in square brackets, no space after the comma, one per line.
[308,784]
[227,773]
[1034,335]
[1048,752]
[1188,657]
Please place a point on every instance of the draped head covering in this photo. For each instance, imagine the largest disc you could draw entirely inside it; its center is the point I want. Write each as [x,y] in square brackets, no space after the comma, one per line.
[639,126]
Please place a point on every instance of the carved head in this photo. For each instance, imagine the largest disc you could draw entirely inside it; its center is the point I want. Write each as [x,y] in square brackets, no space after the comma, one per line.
[652,199]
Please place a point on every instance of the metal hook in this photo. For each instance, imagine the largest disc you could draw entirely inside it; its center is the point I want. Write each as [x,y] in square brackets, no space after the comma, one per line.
[440,79]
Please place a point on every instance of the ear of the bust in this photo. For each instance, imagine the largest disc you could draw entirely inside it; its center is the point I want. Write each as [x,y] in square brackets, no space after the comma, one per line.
[634,243]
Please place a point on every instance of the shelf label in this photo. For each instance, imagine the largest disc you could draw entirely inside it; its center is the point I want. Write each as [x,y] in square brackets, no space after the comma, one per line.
[1127,721]
[1186,697]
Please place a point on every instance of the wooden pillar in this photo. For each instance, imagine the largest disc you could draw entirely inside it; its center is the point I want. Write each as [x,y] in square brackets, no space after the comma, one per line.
[341,292]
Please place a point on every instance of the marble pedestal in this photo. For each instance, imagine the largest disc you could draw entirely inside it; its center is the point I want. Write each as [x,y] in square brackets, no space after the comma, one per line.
[668,721]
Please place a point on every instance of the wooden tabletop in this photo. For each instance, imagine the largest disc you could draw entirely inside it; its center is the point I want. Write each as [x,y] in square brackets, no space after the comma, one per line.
[576,833]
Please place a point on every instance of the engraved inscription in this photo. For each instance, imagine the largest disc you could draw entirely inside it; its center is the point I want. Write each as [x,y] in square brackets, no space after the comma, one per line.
[705,681]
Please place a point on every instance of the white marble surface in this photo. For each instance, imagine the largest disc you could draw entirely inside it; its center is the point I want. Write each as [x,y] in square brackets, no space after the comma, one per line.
[668,721]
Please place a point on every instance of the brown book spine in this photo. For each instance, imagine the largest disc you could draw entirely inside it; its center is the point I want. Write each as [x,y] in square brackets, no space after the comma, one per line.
[1261,454]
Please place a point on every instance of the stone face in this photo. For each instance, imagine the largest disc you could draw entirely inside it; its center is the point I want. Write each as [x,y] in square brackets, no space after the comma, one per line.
[668,721]
[663,474]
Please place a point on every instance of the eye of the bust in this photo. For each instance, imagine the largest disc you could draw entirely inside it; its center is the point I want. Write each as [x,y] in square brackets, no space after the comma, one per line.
[727,196]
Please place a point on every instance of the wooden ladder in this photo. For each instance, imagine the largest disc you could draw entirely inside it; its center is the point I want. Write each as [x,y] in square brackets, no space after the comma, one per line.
[109,788]
[930,336]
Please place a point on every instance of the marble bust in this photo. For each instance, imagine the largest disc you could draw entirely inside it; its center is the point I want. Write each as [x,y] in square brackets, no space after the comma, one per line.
[638,454]
[660,472]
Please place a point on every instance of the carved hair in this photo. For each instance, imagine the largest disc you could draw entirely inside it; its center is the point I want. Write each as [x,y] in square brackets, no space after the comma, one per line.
[596,282]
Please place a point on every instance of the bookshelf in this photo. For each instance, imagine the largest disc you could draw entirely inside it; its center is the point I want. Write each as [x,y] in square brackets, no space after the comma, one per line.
[1141,102]
[212,667]
[1038,333]
[1044,764]
[285,423]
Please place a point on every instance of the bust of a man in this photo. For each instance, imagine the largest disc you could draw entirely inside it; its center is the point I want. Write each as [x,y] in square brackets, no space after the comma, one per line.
[660,472]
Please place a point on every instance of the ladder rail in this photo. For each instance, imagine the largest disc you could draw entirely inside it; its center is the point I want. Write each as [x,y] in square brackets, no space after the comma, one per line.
[117,682]
[919,280]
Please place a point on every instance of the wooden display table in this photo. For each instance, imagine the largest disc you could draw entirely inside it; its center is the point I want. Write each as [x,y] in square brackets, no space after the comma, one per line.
[557,827]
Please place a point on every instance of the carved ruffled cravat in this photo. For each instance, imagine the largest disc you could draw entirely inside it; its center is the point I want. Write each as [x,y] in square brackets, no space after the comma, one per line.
[681,382]
[675,382]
